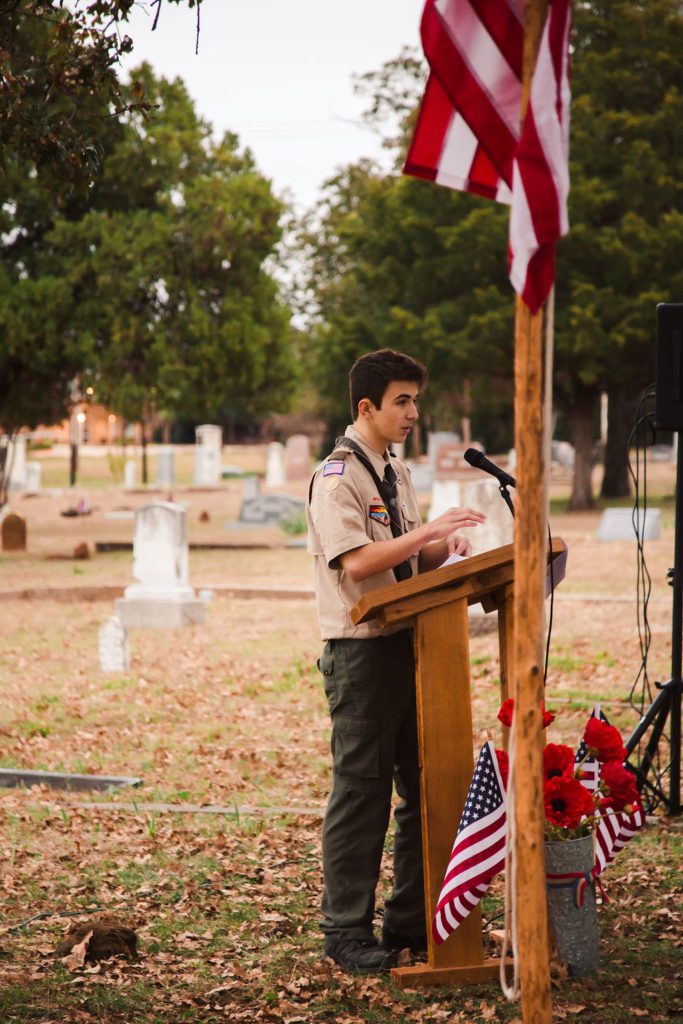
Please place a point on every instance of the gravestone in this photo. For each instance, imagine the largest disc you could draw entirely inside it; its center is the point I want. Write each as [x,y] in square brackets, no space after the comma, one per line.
[162,596]
[16,460]
[129,474]
[617,524]
[267,509]
[165,467]
[252,488]
[207,455]
[113,647]
[450,462]
[483,496]
[34,473]
[422,476]
[275,465]
[436,439]
[13,530]
[298,457]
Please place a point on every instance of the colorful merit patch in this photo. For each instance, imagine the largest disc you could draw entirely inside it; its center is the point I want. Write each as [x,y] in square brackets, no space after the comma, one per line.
[380,515]
[334,468]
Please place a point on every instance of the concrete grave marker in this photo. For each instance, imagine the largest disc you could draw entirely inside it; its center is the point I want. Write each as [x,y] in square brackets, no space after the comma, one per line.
[617,524]
[266,509]
[165,467]
[114,650]
[16,462]
[450,461]
[129,474]
[162,596]
[436,439]
[13,530]
[298,457]
[34,475]
[275,465]
[207,455]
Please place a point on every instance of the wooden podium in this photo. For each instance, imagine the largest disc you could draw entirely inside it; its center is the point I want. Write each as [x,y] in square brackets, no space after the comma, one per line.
[435,604]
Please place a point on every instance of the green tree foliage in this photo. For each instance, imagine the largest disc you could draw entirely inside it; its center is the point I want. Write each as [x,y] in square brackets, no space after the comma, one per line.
[624,252]
[397,262]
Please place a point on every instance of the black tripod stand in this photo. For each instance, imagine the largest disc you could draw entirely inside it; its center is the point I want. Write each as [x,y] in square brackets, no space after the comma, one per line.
[667,703]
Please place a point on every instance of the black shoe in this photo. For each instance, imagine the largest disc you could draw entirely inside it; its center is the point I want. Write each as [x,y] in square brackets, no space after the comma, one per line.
[395,942]
[360,956]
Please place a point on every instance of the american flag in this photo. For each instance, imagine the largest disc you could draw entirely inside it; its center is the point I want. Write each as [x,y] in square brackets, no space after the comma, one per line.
[613,831]
[478,852]
[468,133]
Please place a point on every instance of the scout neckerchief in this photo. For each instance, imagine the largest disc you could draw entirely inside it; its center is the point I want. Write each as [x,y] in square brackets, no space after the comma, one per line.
[386,489]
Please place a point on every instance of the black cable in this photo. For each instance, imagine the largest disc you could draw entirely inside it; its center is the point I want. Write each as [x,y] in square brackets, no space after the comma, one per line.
[552,607]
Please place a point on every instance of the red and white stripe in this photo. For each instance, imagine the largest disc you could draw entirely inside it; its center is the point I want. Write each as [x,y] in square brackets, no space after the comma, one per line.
[467,135]
[613,833]
[478,855]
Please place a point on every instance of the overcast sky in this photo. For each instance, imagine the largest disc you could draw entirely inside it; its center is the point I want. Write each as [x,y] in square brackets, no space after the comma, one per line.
[278,73]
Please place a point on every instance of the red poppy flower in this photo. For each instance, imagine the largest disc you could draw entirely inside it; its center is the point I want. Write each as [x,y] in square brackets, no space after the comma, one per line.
[557,760]
[604,741]
[618,785]
[567,801]
[504,766]
[507,710]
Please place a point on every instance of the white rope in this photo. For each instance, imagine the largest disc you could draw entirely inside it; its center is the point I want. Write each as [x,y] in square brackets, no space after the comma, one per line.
[511,992]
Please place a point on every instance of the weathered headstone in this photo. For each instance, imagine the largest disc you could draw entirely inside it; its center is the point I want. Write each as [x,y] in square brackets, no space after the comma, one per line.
[129,474]
[165,467]
[252,488]
[298,457]
[266,509]
[275,465]
[114,650]
[422,476]
[482,495]
[162,596]
[450,460]
[16,461]
[34,472]
[207,455]
[617,524]
[13,529]
[436,439]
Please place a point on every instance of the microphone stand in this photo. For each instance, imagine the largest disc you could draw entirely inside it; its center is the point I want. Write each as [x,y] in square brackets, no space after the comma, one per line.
[505,495]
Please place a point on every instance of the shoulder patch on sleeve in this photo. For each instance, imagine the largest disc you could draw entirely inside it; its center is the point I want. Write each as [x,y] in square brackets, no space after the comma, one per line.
[334,468]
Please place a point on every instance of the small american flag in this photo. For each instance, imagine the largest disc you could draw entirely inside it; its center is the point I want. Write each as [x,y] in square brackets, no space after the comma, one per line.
[590,768]
[468,131]
[613,830]
[478,852]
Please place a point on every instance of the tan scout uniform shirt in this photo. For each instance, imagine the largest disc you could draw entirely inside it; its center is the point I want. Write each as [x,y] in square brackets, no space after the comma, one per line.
[345,512]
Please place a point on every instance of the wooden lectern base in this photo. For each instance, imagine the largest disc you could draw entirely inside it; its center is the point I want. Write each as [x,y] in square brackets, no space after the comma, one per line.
[423,976]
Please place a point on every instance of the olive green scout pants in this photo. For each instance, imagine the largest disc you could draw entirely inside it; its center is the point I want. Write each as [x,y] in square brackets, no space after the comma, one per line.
[370,688]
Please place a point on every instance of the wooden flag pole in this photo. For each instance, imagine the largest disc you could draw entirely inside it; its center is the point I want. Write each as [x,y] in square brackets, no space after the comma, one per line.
[530,568]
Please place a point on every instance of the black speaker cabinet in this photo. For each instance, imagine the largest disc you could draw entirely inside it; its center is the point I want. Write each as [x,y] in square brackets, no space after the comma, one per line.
[669,373]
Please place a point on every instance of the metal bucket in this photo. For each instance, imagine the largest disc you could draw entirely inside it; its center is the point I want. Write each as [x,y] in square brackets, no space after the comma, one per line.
[571,903]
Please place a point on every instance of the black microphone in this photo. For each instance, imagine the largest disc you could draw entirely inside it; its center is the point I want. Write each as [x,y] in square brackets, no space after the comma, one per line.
[478,459]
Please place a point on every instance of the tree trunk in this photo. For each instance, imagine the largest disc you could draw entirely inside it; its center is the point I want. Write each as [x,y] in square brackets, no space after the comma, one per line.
[581,424]
[143,435]
[616,482]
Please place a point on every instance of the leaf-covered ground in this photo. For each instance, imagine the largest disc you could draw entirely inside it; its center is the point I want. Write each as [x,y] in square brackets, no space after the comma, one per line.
[231,714]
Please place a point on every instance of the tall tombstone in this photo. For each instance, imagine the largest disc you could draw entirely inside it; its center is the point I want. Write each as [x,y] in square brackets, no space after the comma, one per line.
[207,454]
[16,460]
[129,474]
[298,457]
[484,495]
[165,466]
[113,647]
[275,465]
[162,596]
[34,475]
